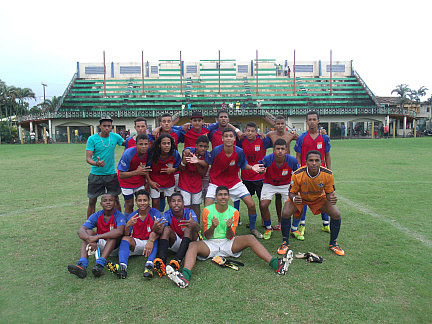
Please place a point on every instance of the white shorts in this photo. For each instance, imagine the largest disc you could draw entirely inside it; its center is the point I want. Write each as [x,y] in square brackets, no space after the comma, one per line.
[101,245]
[239,191]
[130,191]
[190,198]
[268,191]
[220,247]
[176,246]
[139,247]
[154,194]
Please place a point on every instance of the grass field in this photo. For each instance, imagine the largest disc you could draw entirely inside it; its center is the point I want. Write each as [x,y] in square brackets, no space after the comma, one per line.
[384,190]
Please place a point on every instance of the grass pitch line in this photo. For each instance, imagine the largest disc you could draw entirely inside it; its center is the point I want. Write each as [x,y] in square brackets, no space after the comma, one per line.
[37,209]
[393,223]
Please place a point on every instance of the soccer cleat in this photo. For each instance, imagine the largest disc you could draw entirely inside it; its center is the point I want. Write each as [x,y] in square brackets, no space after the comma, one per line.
[177,277]
[97,270]
[277,227]
[297,235]
[326,228]
[283,248]
[337,249]
[284,263]
[256,233]
[148,272]
[301,229]
[175,264]
[267,234]
[122,272]
[113,267]
[80,272]
[159,267]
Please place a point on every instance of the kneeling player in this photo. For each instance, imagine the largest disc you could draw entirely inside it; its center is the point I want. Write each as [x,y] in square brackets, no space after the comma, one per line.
[109,224]
[279,167]
[181,227]
[220,221]
[312,185]
[138,237]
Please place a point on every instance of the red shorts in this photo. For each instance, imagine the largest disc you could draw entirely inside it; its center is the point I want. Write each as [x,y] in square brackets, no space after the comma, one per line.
[315,206]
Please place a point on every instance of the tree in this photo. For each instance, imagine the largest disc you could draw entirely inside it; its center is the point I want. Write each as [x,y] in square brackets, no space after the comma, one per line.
[50,105]
[402,90]
[22,95]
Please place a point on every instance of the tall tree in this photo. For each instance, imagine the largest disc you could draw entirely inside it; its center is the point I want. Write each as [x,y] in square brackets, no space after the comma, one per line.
[24,94]
[51,105]
[402,90]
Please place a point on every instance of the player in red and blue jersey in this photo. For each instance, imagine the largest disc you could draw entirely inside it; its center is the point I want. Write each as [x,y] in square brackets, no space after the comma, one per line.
[279,167]
[164,161]
[140,125]
[109,224]
[196,129]
[138,237]
[190,182]
[132,170]
[216,129]
[308,141]
[181,228]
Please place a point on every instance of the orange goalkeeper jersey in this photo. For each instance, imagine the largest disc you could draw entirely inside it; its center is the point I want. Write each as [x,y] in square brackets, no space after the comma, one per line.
[310,188]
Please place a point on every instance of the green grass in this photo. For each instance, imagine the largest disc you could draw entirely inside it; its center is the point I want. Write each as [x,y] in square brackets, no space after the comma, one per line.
[384,188]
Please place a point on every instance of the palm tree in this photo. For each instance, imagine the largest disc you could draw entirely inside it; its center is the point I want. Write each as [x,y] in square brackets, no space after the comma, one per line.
[402,90]
[50,105]
[22,95]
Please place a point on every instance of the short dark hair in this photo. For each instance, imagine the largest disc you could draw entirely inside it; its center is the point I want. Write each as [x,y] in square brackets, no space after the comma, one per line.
[141,137]
[177,194]
[312,112]
[252,125]
[142,192]
[222,112]
[280,141]
[221,188]
[164,115]
[313,152]
[228,130]
[280,117]
[202,139]
[140,119]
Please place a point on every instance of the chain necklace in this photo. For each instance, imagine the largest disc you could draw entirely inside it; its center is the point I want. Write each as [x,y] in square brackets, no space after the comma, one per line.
[109,141]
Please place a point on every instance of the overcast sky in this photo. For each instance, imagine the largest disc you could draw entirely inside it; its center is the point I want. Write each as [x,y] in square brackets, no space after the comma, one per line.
[388,41]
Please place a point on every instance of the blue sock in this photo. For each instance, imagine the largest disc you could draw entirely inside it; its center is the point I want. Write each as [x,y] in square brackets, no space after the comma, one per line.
[325,219]
[303,218]
[267,224]
[83,262]
[285,227]
[102,262]
[153,253]
[124,251]
[237,205]
[252,221]
[295,223]
[162,204]
[335,225]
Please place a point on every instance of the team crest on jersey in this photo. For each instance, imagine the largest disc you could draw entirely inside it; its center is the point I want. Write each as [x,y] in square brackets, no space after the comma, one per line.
[148,229]
[319,145]
[320,184]
[169,165]
[232,163]
[257,148]
[111,227]
[284,172]
[123,163]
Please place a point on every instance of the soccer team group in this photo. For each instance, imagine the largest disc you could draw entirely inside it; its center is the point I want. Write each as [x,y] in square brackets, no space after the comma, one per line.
[151,169]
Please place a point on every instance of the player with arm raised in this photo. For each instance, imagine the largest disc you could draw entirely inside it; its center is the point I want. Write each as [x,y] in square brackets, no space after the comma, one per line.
[140,125]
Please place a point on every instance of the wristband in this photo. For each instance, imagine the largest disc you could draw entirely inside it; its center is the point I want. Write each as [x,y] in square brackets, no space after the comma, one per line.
[294,199]
[237,130]
[182,164]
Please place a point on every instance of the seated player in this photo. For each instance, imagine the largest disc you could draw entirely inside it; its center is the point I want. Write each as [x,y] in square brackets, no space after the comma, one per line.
[313,186]
[132,170]
[279,167]
[139,239]
[164,161]
[109,224]
[220,221]
[181,227]
[190,182]
[140,125]
[226,161]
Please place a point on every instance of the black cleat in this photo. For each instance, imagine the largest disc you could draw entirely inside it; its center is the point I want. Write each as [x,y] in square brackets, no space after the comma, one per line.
[80,272]
[97,270]
[122,272]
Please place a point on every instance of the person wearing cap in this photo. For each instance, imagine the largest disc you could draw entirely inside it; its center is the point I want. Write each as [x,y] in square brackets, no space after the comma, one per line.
[100,155]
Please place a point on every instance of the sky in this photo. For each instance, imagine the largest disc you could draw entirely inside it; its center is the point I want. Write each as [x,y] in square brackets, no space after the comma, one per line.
[388,41]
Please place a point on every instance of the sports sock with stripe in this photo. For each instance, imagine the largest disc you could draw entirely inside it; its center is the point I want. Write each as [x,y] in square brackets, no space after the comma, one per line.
[153,253]
[252,221]
[124,251]
[267,224]
[102,262]
[335,225]
[295,223]
[274,263]
[325,219]
[83,263]
[187,273]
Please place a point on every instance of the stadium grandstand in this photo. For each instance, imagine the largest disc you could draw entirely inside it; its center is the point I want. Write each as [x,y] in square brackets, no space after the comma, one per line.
[256,90]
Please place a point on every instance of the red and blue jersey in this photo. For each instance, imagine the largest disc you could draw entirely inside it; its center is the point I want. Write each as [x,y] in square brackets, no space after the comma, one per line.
[97,220]
[174,223]
[255,151]
[130,161]
[163,179]
[175,134]
[190,136]
[215,135]
[142,229]
[224,169]
[279,175]
[189,179]
[131,142]
[306,143]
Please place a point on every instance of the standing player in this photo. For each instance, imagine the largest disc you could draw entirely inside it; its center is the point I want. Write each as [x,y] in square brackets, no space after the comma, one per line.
[164,161]
[100,155]
[109,224]
[226,161]
[279,167]
[141,128]
[220,222]
[181,228]
[196,129]
[190,181]
[308,141]
[138,237]
[216,129]
[166,126]
[313,186]
[132,170]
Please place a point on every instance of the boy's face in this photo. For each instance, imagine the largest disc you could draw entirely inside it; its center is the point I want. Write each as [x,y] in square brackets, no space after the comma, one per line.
[165,145]
[312,121]
[141,127]
[279,150]
[251,133]
[280,125]
[197,123]
[177,204]
[313,162]
[228,138]
[222,197]
[107,202]
[165,124]
[105,127]
[223,119]
[142,202]
[201,148]
[142,146]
